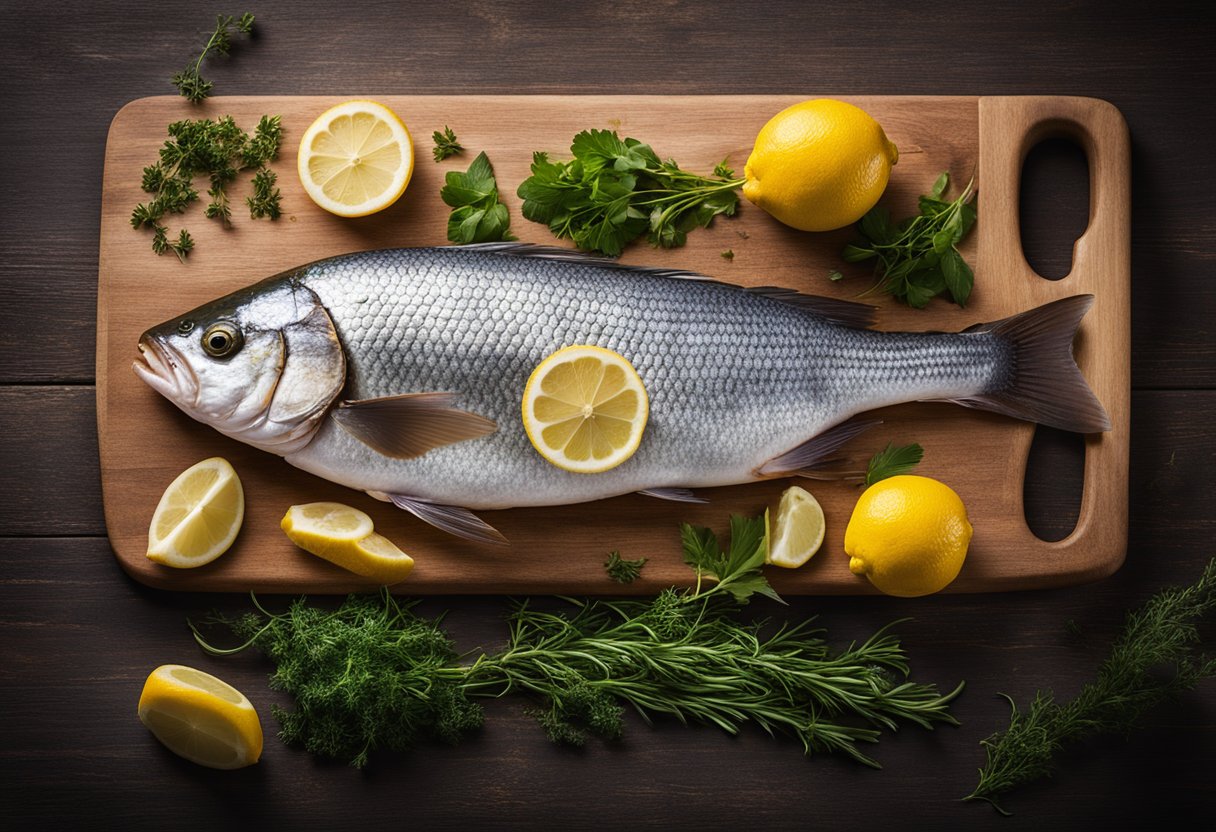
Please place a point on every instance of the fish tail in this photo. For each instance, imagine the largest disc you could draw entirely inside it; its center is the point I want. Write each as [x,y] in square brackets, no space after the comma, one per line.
[1044,384]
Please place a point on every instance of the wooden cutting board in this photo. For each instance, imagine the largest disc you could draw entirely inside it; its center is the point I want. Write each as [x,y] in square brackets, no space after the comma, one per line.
[145,441]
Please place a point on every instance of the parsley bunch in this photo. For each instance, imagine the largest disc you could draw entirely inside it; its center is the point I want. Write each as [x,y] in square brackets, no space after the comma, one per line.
[918,259]
[189,82]
[374,675]
[613,191]
[219,150]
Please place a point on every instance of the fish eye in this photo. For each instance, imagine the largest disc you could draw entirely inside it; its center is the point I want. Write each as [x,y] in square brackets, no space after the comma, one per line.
[222,340]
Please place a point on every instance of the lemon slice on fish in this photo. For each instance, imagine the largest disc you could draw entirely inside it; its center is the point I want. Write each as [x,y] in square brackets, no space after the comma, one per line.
[797,532]
[585,409]
[198,516]
[344,536]
[200,717]
[356,159]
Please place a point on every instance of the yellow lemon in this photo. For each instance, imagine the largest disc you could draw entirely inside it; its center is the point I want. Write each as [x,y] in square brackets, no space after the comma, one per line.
[585,409]
[819,165]
[200,717]
[198,516]
[345,537]
[908,535]
[797,532]
[356,158]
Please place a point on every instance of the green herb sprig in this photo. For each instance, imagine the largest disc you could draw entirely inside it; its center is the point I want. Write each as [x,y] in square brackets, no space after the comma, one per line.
[372,674]
[189,82]
[621,570]
[445,144]
[615,190]
[219,150]
[1154,659]
[918,259]
[892,461]
[478,215]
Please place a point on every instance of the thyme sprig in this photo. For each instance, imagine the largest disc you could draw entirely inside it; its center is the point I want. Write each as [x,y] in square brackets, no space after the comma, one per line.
[190,82]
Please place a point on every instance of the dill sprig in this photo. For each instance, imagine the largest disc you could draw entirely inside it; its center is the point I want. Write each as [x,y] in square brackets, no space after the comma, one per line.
[374,675]
[622,570]
[190,82]
[1159,635]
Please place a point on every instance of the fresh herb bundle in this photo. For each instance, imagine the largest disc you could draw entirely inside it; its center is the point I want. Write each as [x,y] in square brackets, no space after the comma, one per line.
[621,570]
[918,259]
[373,675]
[189,82]
[478,216]
[1159,636]
[219,150]
[445,144]
[892,461]
[613,191]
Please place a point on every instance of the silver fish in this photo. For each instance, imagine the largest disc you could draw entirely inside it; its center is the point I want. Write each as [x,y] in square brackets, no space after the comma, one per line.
[400,373]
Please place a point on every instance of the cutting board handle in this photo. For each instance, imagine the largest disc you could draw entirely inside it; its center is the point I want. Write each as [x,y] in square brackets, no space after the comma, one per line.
[1009,128]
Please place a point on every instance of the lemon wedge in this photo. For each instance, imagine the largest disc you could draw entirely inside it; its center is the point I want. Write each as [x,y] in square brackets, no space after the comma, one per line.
[200,717]
[797,532]
[585,409]
[356,159]
[198,516]
[345,537]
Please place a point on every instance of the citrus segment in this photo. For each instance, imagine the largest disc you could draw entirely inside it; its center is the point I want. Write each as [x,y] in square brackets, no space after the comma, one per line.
[199,717]
[345,537]
[797,532]
[198,516]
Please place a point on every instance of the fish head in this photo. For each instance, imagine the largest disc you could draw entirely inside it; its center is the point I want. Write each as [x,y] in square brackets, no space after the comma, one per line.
[262,365]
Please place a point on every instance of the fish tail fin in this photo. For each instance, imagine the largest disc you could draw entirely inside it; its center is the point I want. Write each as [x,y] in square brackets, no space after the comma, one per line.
[1045,385]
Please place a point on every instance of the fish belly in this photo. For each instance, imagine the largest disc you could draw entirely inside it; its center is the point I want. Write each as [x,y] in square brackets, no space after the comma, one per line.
[734,378]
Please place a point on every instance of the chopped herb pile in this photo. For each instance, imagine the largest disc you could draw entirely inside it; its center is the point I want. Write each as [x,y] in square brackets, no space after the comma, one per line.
[219,150]
[621,570]
[445,144]
[892,461]
[478,215]
[615,190]
[189,82]
[374,675]
[918,259]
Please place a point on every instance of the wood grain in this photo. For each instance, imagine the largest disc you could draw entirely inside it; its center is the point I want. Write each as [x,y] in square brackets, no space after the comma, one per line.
[145,442]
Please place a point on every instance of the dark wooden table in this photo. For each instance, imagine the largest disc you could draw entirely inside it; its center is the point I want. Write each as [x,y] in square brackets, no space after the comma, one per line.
[78,637]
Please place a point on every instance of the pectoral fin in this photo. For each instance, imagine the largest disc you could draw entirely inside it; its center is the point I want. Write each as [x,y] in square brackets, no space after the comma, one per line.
[451,519]
[811,455]
[411,424]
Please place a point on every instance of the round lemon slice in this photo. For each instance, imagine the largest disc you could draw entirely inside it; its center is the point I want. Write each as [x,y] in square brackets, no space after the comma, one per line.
[797,532]
[585,409]
[200,717]
[198,516]
[344,536]
[356,159]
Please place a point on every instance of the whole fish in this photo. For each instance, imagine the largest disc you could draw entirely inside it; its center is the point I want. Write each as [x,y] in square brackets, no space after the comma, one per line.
[401,372]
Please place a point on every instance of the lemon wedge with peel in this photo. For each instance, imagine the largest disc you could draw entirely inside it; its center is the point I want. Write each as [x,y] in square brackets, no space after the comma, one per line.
[200,717]
[797,533]
[356,159]
[585,409]
[345,537]
[198,516]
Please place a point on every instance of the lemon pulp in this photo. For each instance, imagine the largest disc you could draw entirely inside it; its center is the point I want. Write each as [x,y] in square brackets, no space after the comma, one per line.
[198,517]
[201,718]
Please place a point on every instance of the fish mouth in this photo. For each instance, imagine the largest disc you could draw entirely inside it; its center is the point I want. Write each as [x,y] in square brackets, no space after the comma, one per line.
[162,367]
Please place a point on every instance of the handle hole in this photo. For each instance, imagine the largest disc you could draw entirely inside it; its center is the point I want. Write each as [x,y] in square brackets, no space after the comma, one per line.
[1053,205]
[1055,473]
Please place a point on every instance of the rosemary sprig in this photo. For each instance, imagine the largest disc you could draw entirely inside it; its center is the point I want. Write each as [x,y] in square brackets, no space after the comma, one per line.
[190,82]
[1159,635]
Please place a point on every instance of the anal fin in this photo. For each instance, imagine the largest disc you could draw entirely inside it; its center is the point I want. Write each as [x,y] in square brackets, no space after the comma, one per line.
[676,495]
[807,458]
[454,520]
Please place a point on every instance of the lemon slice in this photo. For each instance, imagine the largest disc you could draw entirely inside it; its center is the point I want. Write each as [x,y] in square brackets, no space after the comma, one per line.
[344,536]
[797,532]
[585,409]
[356,159]
[198,516]
[200,717]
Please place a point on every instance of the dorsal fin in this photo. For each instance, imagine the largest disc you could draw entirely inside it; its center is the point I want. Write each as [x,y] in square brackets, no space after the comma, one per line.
[844,312]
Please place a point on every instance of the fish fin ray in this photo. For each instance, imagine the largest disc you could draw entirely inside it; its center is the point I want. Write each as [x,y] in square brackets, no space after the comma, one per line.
[808,458]
[676,495]
[844,312]
[454,520]
[409,425]
[1046,385]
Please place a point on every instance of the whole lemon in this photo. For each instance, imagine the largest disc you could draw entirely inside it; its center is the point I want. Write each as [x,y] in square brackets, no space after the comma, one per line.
[819,165]
[908,535]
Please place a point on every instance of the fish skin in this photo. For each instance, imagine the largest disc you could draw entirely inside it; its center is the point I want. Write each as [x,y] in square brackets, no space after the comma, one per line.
[735,378]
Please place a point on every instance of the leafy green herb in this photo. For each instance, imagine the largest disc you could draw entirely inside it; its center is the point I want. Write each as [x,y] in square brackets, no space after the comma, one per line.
[728,255]
[479,216]
[918,259]
[189,82]
[374,675]
[621,570]
[445,144]
[1154,659]
[892,461]
[219,150]
[613,191]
